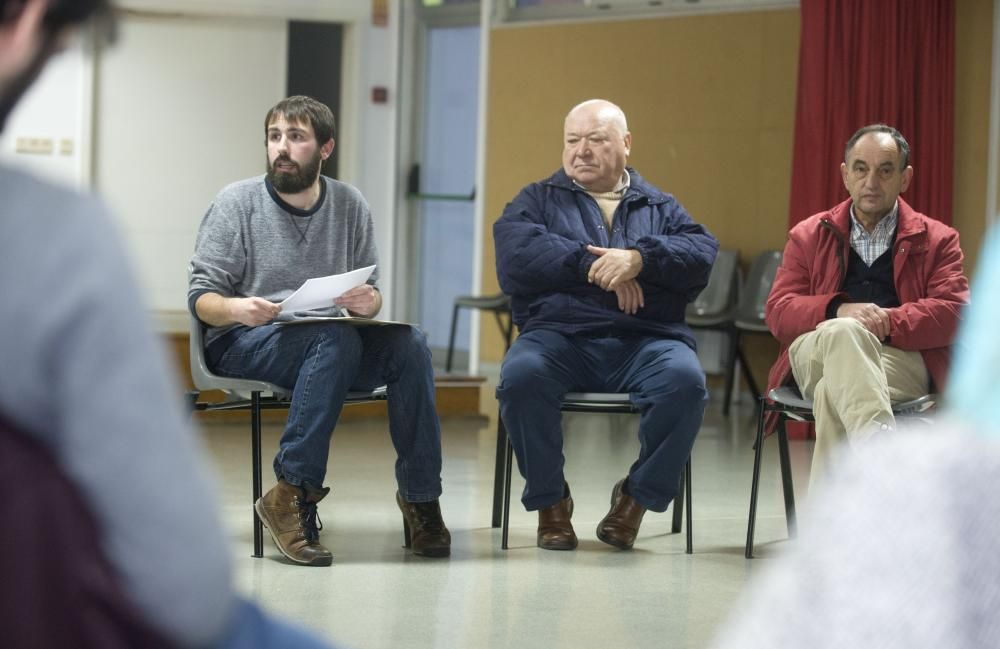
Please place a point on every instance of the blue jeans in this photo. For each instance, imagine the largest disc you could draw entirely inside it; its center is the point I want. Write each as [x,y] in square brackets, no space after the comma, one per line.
[320,363]
[663,377]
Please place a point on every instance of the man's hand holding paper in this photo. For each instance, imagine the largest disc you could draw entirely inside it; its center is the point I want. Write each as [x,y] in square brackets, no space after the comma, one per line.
[362,301]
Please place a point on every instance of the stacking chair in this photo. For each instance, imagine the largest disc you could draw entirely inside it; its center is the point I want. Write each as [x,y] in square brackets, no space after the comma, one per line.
[788,403]
[499,304]
[715,307]
[263,396]
[593,402]
[749,317]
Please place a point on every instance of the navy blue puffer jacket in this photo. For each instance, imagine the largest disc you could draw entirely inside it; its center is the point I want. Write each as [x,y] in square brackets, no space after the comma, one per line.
[542,259]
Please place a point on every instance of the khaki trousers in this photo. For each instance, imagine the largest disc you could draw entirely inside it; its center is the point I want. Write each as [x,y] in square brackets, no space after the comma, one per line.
[852,379]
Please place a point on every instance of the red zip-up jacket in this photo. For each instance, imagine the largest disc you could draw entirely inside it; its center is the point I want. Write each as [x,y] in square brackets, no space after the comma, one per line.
[927,273]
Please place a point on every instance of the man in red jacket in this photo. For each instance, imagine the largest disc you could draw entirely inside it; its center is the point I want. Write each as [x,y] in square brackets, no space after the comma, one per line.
[867,299]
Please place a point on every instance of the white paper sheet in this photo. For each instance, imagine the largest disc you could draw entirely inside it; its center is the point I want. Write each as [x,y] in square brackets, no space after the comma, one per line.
[320,292]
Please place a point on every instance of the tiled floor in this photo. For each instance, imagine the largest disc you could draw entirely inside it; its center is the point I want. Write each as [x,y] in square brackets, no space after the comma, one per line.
[377,595]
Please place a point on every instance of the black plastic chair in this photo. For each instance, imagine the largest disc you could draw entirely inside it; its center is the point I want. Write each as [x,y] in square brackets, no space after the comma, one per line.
[499,304]
[715,307]
[263,396]
[788,403]
[749,318]
[593,402]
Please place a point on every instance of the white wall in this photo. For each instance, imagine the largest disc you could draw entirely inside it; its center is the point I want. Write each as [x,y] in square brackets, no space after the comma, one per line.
[205,80]
[57,110]
[172,112]
[178,118]
[372,133]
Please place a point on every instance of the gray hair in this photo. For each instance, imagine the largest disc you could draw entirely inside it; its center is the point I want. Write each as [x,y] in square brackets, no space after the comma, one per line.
[901,145]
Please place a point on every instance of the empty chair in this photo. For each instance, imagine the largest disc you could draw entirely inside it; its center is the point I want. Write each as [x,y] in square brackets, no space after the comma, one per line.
[749,317]
[715,307]
[499,304]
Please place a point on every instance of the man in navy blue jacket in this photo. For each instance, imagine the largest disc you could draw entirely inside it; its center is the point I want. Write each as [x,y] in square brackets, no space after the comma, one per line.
[600,266]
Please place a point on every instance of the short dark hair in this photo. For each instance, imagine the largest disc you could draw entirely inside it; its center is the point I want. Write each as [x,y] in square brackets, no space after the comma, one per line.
[901,144]
[68,13]
[302,109]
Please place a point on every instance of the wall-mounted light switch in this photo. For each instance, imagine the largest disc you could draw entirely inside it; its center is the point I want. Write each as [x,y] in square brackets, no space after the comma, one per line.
[35,145]
[66,146]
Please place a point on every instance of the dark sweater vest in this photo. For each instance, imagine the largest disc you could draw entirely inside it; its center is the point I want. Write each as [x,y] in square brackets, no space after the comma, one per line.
[873,283]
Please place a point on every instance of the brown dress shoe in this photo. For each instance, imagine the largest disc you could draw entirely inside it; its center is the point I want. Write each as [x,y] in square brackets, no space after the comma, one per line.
[620,527]
[289,514]
[423,529]
[555,531]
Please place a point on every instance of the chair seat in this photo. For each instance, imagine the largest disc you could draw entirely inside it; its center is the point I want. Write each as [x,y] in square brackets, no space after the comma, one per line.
[789,396]
[708,320]
[497,302]
[370,395]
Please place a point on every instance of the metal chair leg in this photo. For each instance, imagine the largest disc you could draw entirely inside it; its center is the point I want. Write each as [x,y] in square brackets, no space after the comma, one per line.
[758,447]
[786,481]
[451,338]
[748,376]
[687,497]
[678,513]
[498,473]
[734,347]
[508,457]
[258,527]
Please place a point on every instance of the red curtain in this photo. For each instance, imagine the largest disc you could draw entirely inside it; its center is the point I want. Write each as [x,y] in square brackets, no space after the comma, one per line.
[867,61]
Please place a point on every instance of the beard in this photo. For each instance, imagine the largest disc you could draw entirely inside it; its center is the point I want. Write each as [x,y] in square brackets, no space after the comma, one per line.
[300,179]
[23,80]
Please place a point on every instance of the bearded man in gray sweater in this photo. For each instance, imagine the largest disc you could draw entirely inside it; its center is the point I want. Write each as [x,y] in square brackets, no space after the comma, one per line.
[259,241]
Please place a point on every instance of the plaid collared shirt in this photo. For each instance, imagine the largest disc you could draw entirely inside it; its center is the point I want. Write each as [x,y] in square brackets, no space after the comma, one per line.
[871,245]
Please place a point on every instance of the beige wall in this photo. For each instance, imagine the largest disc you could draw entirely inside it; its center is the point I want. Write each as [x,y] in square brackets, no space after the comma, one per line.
[711,106]
[973,54]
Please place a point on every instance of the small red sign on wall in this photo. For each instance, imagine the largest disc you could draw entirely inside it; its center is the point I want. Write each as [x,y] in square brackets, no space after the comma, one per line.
[380,13]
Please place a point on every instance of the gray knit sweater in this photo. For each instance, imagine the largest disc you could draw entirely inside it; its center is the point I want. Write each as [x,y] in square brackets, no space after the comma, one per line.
[253,244]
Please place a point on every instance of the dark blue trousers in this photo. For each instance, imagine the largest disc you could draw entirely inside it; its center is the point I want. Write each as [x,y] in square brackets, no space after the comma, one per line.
[663,378]
[321,362]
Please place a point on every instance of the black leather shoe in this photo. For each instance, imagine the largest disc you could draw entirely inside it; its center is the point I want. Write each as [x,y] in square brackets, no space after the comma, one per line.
[620,527]
[423,529]
[555,531]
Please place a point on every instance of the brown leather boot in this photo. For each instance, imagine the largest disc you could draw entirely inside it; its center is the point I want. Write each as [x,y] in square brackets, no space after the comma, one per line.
[289,514]
[555,531]
[423,528]
[620,527]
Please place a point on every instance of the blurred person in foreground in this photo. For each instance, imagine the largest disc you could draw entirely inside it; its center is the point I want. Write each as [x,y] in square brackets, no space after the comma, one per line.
[111,521]
[900,548]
